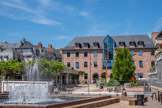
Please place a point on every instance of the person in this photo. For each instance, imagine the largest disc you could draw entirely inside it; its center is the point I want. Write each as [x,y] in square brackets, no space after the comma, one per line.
[124,93]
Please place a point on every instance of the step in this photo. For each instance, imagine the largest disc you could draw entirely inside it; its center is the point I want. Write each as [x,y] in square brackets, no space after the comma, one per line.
[76,102]
[95,103]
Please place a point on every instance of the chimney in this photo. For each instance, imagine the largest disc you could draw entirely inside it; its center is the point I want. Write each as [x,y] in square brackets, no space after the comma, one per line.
[21,43]
[154,35]
[50,48]
[1,49]
[40,47]
[24,40]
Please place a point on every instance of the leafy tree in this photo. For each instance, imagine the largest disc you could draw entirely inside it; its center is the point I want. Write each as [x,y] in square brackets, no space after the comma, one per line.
[50,68]
[123,68]
[11,68]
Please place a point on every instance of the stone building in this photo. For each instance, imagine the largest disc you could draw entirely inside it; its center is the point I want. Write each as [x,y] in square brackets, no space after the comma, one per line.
[25,51]
[91,53]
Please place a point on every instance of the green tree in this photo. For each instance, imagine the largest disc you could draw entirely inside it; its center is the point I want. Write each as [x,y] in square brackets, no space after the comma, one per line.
[11,68]
[123,68]
[50,68]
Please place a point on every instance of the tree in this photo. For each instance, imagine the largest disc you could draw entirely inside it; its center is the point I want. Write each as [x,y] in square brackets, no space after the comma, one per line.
[11,68]
[123,67]
[50,68]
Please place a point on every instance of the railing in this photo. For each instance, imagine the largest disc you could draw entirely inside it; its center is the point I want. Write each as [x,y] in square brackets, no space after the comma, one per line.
[155,82]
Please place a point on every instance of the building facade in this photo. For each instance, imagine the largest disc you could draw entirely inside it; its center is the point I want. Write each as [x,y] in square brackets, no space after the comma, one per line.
[26,51]
[91,53]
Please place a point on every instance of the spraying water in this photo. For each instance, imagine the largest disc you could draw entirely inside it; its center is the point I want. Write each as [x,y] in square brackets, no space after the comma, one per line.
[33,90]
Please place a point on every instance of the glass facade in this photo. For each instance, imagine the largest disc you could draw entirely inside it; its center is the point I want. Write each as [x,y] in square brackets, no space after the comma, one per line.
[108,52]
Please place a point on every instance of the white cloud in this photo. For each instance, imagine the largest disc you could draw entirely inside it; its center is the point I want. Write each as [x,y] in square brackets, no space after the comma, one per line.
[43,20]
[20,11]
[61,37]
[83,13]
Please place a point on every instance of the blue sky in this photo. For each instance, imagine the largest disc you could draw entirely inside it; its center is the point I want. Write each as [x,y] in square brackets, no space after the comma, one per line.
[57,22]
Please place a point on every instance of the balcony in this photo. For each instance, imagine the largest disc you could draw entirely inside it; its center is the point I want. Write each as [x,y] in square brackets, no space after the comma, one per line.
[158,42]
[152,72]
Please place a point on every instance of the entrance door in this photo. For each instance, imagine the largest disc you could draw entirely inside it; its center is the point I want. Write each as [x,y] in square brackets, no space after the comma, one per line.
[95,77]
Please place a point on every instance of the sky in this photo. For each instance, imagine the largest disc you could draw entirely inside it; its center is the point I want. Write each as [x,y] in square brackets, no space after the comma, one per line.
[57,22]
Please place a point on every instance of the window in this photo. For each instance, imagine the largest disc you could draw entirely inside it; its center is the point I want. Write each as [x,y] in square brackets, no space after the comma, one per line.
[95,64]
[132,43]
[140,53]
[68,54]
[5,58]
[77,64]
[68,64]
[85,54]
[96,45]
[152,63]
[85,76]
[141,63]
[132,53]
[85,45]
[152,52]
[77,54]
[1,58]
[133,63]
[121,44]
[78,45]
[140,43]
[140,75]
[110,64]
[85,64]
[95,53]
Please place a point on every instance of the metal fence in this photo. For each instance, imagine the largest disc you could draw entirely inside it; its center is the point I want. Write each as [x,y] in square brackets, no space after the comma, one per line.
[155,82]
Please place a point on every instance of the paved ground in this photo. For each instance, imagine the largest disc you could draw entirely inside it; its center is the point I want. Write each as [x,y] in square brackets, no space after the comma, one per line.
[124,104]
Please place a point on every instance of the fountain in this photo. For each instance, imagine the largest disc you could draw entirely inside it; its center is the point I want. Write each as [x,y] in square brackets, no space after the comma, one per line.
[31,91]
[34,91]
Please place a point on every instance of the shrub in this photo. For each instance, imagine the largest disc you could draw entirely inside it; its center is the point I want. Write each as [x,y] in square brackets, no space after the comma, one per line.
[113,83]
[135,84]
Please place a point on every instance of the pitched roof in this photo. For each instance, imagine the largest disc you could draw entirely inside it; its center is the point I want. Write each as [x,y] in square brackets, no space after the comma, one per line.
[10,45]
[148,43]
[117,38]
[85,39]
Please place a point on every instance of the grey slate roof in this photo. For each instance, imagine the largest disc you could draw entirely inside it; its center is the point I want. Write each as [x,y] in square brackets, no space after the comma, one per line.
[27,45]
[10,45]
[85,39]
[118,38]
[148,43]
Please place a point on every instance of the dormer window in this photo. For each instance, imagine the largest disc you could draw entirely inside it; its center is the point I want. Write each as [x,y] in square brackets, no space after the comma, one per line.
[122,44]
[96,45]
[86,45]
[78,45]
[132,44]
[141,43]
